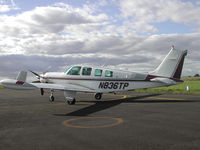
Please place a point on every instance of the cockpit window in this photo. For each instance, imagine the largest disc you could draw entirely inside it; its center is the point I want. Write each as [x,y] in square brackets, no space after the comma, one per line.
[98,72]
[86,71]
[75,70]
[108,73]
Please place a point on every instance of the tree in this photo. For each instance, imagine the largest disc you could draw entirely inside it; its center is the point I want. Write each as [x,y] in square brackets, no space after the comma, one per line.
[196,75]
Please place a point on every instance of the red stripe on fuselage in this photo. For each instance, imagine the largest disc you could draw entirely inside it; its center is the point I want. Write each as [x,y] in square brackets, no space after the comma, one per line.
[148,78]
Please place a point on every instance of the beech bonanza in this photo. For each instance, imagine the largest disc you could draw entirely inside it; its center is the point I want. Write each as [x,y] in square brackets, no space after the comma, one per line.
[101,80]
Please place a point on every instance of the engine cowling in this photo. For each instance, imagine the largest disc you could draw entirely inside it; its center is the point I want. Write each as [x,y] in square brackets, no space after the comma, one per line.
[43,80]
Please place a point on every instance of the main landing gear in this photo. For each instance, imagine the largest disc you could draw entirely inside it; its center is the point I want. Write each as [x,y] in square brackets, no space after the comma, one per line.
[70,97]
[71,102]
[98,96]
[51,98]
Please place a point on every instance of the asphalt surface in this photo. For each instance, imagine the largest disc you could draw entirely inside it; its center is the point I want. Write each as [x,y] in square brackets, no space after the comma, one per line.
[126,121]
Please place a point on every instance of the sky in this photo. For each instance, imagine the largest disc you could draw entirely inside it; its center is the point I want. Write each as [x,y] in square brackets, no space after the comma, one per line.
[132,35]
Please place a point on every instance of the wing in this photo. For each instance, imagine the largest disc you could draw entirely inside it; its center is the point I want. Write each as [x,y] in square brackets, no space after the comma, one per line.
[66,87]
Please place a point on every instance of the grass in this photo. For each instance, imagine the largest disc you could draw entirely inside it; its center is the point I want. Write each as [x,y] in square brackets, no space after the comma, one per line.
[192,82]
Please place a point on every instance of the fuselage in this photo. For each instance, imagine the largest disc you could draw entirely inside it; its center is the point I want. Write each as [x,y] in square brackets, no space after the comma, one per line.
[100,79]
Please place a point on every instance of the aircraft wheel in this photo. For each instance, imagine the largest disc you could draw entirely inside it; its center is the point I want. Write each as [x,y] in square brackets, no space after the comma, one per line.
[98,96]
[71,102]
[51,98]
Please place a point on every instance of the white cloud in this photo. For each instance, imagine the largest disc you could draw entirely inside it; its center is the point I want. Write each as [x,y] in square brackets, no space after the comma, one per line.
[52,19]
[61,34]
[159,11]
[6,6]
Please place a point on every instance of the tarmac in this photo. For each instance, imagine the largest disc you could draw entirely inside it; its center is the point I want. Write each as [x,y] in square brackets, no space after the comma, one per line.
[125,121]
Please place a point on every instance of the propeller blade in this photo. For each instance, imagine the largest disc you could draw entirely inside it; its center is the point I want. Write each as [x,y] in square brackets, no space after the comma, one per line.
[35,73]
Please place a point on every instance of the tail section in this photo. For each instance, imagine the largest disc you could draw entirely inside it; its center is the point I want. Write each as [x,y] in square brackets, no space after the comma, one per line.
[22,76]
[172,65]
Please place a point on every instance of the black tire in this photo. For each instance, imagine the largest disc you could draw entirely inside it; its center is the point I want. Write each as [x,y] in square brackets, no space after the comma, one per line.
[51,98]
[71,102]
[98,96]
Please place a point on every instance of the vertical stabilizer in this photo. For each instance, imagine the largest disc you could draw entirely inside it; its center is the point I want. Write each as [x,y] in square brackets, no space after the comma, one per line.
[22,76]
[172,65]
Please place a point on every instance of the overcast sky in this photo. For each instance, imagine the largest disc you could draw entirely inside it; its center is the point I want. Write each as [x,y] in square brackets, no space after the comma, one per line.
[133,35]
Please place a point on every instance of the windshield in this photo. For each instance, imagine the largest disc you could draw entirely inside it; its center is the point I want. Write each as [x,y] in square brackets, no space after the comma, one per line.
[67,69]
[74,70]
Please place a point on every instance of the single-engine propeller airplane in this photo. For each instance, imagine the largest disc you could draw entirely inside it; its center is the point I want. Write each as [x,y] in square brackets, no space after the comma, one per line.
[99,80]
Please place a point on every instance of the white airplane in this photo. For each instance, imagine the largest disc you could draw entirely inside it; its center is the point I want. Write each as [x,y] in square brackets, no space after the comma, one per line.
[99,80]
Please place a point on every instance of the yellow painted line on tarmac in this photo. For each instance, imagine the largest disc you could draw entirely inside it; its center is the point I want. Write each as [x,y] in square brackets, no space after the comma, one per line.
[166,98]
[69,123]
[121,98]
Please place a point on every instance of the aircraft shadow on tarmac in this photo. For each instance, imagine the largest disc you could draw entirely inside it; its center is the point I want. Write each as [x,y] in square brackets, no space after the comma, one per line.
[102,105]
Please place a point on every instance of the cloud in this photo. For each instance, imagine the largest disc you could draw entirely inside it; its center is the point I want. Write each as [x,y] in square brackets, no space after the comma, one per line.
[5,7]
[156,11]
[143,56]
[12,64]
[61,34]
[50,19]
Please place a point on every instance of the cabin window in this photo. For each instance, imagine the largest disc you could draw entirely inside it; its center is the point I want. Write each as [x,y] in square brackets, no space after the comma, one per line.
[74,71]
[98,72]
[108,73]
[86,71]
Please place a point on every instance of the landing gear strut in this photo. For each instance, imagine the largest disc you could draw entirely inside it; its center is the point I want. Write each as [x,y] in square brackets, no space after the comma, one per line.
[42,91]
[98,96]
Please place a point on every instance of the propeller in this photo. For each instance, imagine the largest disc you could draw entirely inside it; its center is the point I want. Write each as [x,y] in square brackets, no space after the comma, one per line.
[41,77]
[35,74]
